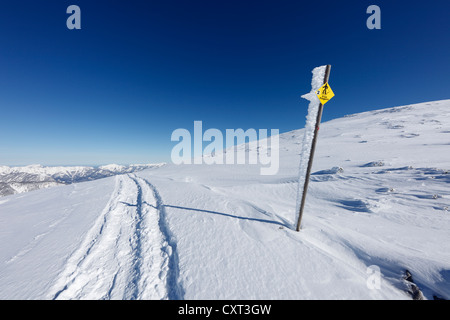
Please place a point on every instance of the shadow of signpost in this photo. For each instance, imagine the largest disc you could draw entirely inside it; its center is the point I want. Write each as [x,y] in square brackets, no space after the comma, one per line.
[228,215]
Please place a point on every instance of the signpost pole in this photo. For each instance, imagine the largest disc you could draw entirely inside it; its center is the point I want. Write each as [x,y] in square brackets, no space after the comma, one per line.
[311,156]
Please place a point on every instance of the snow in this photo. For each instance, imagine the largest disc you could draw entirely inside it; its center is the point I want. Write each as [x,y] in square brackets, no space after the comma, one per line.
[378,196]
[109,264]
[113,167]
[23,179]
[41,229]
[43,170]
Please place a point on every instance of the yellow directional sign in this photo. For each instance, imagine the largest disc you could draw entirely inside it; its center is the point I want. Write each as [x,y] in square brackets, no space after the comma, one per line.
[325,93]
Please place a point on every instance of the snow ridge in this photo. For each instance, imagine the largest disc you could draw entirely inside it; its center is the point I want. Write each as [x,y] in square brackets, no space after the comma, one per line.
[23,179]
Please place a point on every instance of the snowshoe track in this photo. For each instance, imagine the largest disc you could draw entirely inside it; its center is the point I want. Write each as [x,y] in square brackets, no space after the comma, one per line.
[126,254]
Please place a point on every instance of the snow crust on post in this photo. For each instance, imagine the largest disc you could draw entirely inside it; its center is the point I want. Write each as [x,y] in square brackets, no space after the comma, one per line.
[305,152]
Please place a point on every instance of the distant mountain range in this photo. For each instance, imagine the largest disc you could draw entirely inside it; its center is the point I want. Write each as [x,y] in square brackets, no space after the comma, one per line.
[28,178]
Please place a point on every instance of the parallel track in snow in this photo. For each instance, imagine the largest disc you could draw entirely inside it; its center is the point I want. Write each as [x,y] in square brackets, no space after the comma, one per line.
[127,254]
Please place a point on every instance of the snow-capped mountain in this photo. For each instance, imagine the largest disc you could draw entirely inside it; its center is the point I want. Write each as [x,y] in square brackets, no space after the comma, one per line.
[22,179]
[376,223]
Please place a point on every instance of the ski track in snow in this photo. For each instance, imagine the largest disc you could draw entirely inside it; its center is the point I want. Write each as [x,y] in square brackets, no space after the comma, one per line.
[126,254]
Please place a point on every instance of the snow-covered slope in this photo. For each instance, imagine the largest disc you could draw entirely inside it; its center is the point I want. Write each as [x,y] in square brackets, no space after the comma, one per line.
[379,199]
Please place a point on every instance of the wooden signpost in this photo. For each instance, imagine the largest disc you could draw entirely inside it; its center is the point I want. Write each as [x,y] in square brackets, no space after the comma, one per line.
[324,94]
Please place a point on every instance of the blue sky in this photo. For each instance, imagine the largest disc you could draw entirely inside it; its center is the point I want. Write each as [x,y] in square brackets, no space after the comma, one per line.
[114,91]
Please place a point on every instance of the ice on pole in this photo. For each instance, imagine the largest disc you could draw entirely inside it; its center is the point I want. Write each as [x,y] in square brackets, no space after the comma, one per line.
[305,152]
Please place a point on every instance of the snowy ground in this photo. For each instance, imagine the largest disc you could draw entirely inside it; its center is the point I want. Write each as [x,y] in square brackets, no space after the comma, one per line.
[379,196]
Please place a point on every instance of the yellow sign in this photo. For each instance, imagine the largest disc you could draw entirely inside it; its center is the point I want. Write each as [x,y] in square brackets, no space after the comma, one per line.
[325,93]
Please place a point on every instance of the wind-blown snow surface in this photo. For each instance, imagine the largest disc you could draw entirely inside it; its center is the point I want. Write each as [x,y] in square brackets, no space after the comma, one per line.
[379,195]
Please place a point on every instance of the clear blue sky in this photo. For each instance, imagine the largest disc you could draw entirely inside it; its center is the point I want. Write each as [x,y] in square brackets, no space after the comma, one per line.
[114,91]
